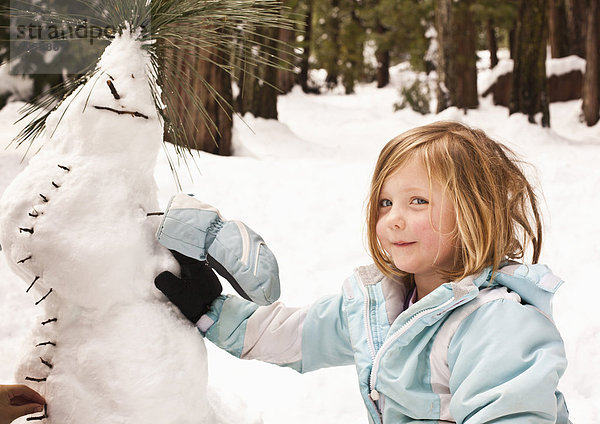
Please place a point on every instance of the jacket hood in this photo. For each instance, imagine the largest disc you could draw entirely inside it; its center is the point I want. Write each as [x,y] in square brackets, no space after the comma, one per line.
[536,284]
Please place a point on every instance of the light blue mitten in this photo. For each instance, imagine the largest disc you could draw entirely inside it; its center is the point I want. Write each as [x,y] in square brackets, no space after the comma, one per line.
[198,230]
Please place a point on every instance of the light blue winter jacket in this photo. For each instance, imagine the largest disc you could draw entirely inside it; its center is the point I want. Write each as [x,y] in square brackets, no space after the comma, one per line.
[473,351]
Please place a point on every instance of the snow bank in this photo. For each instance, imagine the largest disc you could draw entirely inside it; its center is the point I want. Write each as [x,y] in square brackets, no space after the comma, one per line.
[20,87]
[564,65]
[560,66]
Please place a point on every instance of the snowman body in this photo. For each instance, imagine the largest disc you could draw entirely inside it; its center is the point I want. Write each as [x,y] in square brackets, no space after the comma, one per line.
[108,347]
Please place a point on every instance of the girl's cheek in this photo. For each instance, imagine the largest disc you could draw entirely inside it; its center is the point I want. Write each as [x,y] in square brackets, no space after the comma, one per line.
[379,230]
[423,229]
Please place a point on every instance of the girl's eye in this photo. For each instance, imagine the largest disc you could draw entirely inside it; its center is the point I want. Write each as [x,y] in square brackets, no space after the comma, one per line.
[385,203]
[418,201]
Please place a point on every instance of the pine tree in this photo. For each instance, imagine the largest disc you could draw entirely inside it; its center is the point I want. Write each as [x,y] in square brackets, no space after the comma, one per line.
[287,77]
[492,43]
[330,40]
[198,77]
[307,10]
[529,93]
[576,26]
[591,81]
[457,71]
[558,34]
[372,16]
[259,96]
[352,41]
[337,40]
[397,28]
[495,20]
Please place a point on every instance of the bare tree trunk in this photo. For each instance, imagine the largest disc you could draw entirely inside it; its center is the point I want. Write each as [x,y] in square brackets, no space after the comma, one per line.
[457,55]
[304,64]
[591,81]
[465,56]
[443,9]
[558,33]
[352,54]
[529,93]
[492,43]
[333,32]
[259,95]
[511,40]
[286,78]
[576,26]
[211,132]
[382,54]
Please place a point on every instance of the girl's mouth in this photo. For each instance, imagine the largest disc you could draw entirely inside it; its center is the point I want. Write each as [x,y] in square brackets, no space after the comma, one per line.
[404,243]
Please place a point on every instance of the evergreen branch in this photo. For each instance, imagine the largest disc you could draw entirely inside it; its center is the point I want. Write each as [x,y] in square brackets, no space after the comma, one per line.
[224,33]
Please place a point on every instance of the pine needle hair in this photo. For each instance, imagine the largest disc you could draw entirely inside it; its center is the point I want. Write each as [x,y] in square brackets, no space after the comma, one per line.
[225,33]
[496,207]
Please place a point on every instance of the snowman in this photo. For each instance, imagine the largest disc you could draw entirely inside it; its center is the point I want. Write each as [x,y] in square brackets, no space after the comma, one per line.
[78,226]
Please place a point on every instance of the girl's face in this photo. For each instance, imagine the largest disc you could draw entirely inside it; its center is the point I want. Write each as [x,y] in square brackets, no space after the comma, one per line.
[416,222]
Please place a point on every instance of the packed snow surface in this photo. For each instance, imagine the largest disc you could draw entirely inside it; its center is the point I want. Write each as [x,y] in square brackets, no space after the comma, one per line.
[302,181]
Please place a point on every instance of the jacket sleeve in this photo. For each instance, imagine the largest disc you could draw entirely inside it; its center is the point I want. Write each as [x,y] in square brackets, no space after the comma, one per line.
[505,362]
[304,339]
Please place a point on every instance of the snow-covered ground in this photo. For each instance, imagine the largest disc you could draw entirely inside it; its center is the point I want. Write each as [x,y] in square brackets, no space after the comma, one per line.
[302,182]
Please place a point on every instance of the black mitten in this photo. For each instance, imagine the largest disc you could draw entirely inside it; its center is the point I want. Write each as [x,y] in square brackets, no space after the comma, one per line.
[194,291]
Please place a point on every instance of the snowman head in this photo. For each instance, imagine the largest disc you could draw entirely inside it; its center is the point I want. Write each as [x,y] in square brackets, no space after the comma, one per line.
[113,116]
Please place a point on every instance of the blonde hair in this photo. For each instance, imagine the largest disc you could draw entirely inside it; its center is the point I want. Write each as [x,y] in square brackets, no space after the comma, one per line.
[496,207]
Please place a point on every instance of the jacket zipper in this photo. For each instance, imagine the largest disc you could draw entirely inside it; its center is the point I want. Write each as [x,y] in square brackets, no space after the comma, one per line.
[370,341]
[405,327]
[367,319]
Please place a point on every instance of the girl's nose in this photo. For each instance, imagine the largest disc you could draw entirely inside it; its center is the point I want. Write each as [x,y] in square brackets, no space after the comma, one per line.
[396,220]
[399,224]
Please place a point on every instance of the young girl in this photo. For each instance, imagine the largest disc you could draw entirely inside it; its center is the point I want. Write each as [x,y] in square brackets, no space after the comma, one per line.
[444,326]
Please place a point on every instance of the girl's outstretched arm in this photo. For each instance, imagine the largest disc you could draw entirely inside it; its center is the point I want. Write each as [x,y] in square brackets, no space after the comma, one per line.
[301,338]
[304,339]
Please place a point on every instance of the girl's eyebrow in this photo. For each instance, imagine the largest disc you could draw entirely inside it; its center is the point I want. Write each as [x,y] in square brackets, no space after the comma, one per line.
[416,189]
[407,190]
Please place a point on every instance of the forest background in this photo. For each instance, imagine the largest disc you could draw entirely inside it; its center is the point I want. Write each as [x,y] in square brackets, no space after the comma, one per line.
[357,41]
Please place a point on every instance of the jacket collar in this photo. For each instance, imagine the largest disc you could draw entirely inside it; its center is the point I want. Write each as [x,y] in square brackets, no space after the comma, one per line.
[536,284]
